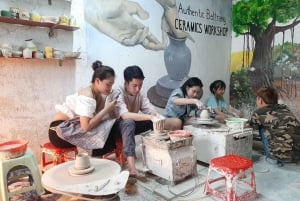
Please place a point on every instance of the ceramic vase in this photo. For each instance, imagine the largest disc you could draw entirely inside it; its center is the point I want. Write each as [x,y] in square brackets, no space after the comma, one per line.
[177,58]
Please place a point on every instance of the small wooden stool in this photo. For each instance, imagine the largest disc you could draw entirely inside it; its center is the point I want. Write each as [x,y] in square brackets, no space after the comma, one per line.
[59,155]
[231,178]
[28,161]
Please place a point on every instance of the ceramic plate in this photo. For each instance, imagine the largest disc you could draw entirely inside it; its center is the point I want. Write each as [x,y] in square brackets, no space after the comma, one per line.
[75,172]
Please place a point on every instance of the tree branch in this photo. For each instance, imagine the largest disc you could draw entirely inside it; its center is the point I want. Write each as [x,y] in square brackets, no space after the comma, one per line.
[271,28]
[245,33]
[283,28]
[271,24]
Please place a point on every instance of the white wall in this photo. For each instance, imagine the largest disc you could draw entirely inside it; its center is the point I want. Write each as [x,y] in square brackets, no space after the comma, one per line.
[31,88]
[210,54]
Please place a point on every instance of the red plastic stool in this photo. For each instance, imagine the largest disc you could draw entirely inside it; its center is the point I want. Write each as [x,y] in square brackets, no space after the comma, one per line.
[59,155]
[118,152]
[231,178]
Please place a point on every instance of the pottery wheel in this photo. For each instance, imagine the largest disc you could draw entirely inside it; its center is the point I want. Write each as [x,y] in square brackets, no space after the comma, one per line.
[76,172]
[205,121]
[160,136]
[104,169]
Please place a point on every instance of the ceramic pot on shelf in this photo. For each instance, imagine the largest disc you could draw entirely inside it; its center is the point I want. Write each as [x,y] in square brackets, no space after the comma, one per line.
[30,44]
[30,49]
[6,50]
[27,53]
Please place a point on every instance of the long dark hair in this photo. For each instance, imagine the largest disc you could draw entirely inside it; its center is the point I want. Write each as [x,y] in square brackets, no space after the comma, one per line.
[101,71]
[191,82]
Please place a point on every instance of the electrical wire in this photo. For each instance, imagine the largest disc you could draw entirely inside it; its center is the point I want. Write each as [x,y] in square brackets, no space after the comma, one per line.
[197,184]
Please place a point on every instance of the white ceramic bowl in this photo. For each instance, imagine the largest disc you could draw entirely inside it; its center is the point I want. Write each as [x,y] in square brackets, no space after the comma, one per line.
[58,54]
[71,54]
[49,19]
[16,53]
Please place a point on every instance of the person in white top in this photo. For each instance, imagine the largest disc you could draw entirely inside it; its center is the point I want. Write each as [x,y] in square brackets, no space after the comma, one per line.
[91,104]
[136,112]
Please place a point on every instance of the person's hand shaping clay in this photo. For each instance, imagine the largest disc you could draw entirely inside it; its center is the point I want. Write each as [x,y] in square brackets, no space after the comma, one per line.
[168,20]
[115,18]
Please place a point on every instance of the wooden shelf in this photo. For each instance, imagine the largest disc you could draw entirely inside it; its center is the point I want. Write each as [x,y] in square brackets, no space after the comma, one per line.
[40,59]
[37,24]
[60,61]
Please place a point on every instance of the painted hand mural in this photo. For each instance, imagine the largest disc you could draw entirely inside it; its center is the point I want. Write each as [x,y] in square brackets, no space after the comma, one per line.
[168,19]
[115,18]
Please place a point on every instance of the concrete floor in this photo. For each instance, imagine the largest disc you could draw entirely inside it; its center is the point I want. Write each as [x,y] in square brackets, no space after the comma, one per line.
[273,183]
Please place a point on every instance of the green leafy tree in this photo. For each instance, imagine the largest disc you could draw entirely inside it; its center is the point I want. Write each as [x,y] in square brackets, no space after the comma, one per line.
[261,19]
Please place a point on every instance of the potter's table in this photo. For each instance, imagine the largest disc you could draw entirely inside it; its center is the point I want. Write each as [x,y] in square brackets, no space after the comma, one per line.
[217,140]
[101,184]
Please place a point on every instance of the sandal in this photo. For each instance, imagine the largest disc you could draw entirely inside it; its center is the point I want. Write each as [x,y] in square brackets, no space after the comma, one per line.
[140,177]
[132,179]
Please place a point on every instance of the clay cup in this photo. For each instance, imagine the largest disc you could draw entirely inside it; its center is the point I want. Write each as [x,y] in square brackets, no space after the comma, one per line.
[204,114]
[158,126]
[82,161]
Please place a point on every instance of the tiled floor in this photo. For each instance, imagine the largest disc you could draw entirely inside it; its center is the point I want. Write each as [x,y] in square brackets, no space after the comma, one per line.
[274,183]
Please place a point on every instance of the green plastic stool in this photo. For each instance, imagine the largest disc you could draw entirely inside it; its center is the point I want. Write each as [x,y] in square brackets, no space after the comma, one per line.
[29,161]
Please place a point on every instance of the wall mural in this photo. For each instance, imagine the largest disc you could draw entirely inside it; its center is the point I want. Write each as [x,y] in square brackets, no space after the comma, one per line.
[266,59]
[116,20]
[184,27]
